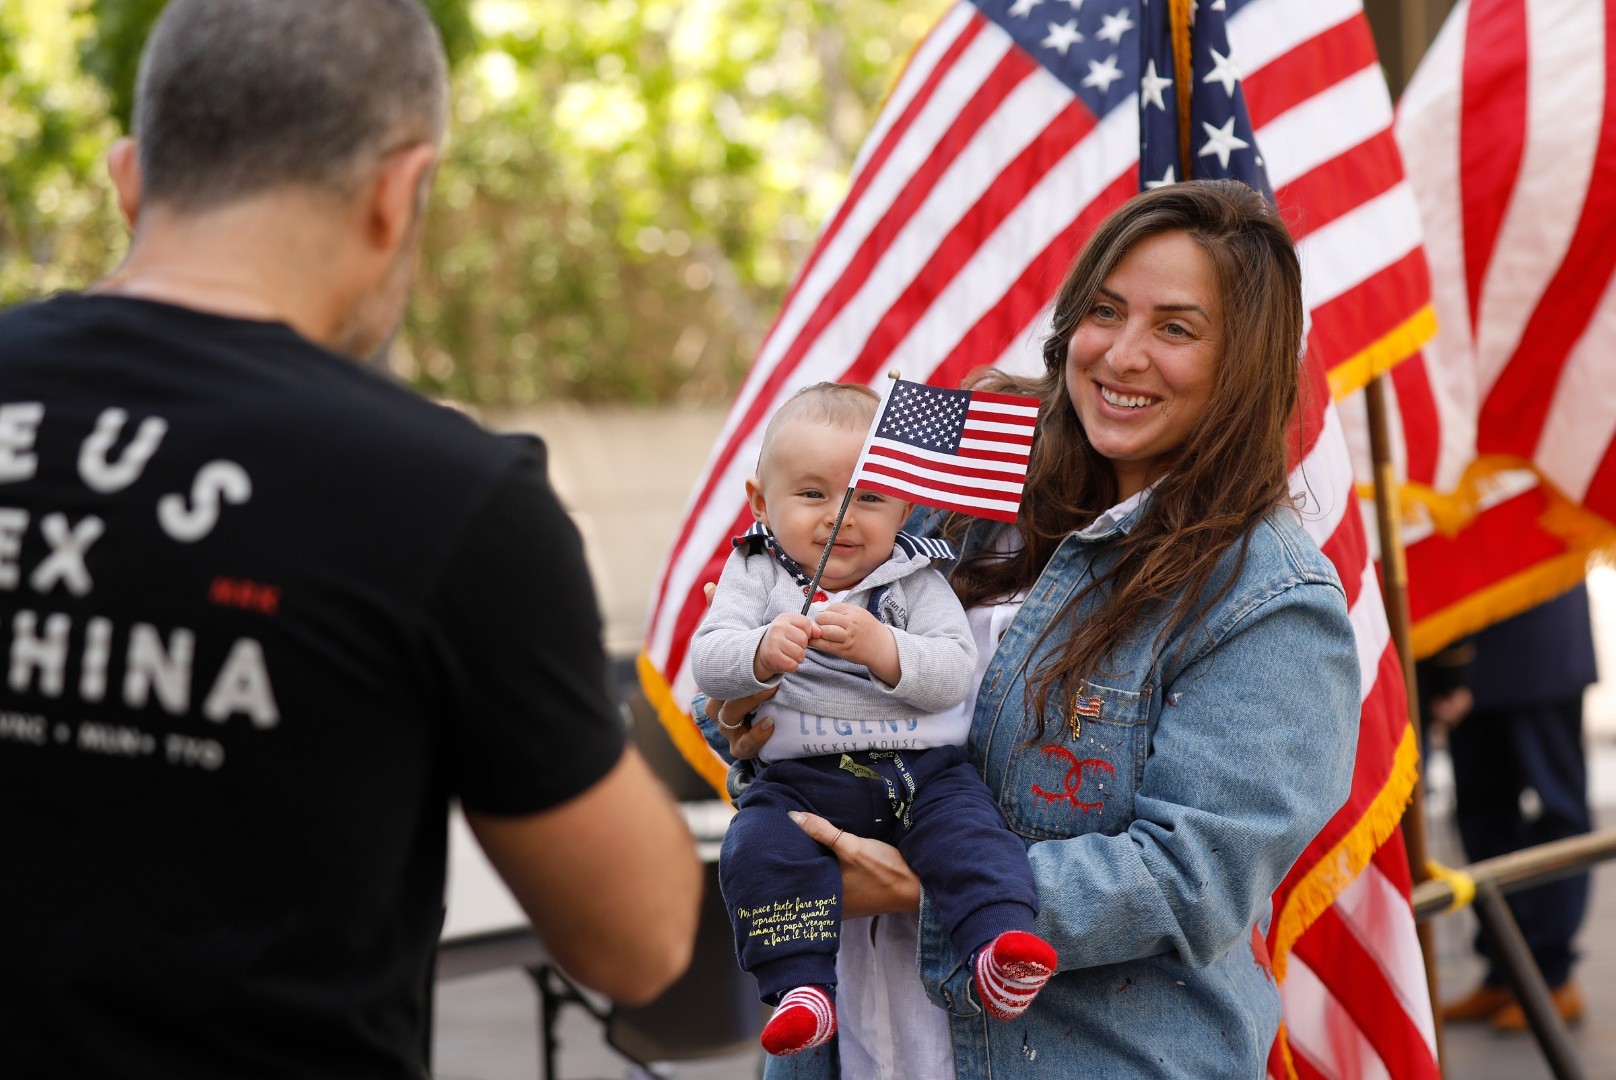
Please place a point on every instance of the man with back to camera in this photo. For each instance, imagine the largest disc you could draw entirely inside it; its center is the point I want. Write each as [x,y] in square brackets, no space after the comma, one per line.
[263,612]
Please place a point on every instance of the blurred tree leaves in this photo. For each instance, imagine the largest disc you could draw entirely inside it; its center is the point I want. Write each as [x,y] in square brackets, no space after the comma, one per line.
[58,225]
[628,186]
[111,49]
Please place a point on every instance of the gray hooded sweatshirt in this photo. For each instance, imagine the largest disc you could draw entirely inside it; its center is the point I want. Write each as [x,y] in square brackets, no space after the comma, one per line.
[936,652]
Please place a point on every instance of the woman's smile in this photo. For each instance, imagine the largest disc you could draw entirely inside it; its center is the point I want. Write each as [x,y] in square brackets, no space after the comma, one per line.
[1120,400]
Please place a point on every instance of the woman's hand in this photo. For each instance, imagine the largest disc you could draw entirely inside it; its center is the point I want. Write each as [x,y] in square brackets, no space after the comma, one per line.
[745,739]
[875,878]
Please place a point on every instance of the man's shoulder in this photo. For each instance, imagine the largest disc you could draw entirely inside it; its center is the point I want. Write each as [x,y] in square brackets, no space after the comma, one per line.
[241,379]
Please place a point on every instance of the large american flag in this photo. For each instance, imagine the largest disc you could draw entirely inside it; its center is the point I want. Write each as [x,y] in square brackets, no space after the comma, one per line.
[1508,129]
[964,450]
[1016,126]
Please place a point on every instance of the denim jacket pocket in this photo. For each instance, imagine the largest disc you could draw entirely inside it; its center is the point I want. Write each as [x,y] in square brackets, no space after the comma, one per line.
[1082,774]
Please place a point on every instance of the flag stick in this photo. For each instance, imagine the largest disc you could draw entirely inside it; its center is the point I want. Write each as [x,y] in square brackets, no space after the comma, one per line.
[819,571]
[1394,586]
[824,557]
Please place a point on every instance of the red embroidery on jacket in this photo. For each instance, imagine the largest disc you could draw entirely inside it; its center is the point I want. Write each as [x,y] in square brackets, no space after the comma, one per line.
[1259,953]
[1079,770]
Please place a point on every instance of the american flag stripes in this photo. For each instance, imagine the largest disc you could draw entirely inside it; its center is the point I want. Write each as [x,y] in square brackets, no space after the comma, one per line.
[954,449]
[1508,130]
[1014,129]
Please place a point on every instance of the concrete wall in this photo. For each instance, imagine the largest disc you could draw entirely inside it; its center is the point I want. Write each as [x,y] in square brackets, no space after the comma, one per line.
[625,475]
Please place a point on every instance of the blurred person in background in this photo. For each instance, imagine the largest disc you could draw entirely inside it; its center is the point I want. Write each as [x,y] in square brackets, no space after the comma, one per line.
[1509,701]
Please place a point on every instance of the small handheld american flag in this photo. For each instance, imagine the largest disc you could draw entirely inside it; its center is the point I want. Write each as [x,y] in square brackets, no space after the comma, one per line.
[964,450]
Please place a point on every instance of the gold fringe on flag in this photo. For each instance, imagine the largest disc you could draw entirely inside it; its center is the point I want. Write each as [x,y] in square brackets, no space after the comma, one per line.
[681,728]
[1282,1043]
[1393,347]
[1586,535]
[1337,869]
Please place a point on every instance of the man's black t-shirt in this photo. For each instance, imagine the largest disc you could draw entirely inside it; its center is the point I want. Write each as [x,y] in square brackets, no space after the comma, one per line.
[262,614]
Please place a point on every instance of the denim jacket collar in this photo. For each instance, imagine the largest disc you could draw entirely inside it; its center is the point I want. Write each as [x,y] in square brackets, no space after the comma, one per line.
[1120,519]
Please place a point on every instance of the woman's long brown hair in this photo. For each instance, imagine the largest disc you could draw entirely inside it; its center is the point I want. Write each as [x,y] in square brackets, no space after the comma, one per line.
[1229,472]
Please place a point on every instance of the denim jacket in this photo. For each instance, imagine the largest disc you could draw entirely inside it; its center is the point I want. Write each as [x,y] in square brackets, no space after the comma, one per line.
[1160,815]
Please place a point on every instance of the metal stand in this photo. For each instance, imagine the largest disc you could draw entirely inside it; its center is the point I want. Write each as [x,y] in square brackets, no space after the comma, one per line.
[1509,945]
[556,990]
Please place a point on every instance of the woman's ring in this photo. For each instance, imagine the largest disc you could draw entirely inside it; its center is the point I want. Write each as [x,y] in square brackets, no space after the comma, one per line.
[730,727]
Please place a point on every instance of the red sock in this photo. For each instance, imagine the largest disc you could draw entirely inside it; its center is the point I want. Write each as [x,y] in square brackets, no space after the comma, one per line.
[804,1019]
[1010,971]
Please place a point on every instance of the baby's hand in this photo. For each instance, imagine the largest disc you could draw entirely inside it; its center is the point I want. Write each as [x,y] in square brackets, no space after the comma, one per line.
[784,645]
[851,631]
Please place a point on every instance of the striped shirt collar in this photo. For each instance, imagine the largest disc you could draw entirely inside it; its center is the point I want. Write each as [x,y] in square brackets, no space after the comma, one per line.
[909,544]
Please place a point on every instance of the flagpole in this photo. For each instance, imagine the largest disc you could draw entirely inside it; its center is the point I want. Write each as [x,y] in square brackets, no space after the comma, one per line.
[1180,15]
[1394,586]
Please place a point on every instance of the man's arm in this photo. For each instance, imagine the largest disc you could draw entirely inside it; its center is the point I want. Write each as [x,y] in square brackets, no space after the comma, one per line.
[587,839]
[609,878]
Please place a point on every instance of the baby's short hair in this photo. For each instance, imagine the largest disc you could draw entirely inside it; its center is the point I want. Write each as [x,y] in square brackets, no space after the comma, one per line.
[850,406]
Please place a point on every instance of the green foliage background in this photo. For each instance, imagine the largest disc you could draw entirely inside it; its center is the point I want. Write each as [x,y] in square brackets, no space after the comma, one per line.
[628,187]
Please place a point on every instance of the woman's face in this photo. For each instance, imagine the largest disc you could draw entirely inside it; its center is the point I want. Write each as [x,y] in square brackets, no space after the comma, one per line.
[1141,363]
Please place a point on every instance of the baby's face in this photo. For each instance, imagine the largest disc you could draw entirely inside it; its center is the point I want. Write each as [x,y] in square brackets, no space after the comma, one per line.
[804,476]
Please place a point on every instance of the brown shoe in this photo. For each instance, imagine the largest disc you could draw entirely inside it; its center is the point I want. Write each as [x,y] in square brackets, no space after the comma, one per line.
[1480,1004]
[1567,1002]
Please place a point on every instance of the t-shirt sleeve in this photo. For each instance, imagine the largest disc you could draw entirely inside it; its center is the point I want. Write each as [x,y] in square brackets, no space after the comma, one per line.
[530,721]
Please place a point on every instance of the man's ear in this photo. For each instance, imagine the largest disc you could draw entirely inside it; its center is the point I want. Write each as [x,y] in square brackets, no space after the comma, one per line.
[754,499]
[123,166]
[397,193]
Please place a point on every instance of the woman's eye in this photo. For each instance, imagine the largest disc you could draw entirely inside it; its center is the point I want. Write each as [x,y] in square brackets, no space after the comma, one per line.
[1103,311]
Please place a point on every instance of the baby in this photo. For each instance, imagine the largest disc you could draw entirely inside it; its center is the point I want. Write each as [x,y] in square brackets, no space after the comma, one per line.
[870,721]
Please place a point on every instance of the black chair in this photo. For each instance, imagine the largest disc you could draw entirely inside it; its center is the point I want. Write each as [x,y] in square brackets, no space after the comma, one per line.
[713,1010]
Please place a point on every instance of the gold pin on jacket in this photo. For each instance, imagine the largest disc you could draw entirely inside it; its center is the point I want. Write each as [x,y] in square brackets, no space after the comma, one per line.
[1081,709]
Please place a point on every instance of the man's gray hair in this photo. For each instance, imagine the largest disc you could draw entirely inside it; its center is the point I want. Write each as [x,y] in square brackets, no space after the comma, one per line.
[237,97]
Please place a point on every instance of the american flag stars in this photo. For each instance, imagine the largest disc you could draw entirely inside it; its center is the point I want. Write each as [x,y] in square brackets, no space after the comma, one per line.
[1085,45]
[1223,72]
[1222,141]
[1151,86]
[1224,144]
[924,416]
[1062,36]
[1114,26]
[1102,74]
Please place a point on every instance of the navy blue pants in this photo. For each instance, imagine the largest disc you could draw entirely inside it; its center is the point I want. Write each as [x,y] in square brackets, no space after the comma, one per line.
[784,890]
[1497,755]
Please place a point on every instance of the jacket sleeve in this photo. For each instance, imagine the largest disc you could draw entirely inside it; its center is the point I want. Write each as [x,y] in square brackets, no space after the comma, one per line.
[1252,755]
[936,652]
[722,649]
